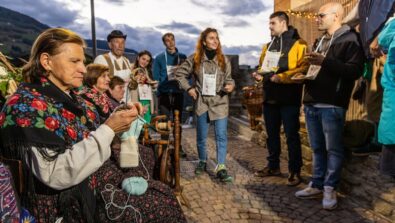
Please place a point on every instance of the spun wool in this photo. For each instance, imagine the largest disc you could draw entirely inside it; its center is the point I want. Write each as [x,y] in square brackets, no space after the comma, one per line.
[135,185]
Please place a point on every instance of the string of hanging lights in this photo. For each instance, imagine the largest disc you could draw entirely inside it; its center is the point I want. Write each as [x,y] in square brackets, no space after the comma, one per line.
[300,14]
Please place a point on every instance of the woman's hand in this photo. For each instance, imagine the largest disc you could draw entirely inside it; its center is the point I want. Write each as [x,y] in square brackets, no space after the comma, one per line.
[192,92]
[120,120]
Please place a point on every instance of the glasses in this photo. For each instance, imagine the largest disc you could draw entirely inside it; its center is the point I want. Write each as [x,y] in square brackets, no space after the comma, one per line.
[322,15]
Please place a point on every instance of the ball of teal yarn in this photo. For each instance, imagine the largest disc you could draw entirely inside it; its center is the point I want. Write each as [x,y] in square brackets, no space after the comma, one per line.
[135,185]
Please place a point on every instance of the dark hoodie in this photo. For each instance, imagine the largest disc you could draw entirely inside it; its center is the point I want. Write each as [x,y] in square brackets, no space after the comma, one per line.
[342,65]
[290,93]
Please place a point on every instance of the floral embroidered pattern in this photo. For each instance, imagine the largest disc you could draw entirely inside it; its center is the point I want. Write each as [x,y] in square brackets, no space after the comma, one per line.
[27,108]
[102,101]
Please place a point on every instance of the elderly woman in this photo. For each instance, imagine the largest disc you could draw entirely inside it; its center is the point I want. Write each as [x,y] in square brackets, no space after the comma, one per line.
[96,83]
[54,132]
[158,203]
[212,72]
[116,91]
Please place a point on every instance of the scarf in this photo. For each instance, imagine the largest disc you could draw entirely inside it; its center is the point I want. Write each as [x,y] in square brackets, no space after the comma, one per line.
[41,115]
[100,101]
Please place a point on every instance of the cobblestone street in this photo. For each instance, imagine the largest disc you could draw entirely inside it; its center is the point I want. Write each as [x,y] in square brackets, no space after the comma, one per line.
[251,199]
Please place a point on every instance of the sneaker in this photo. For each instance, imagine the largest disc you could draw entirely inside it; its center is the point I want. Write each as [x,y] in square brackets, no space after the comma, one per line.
[188,123]
[222,174]
[187,126]
[201,167]
[309,192]
[294,179]
[266,172]
[329,202]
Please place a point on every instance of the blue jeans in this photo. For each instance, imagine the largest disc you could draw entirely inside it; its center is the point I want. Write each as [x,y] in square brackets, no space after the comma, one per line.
[288,115]
[325,129]
[221,137]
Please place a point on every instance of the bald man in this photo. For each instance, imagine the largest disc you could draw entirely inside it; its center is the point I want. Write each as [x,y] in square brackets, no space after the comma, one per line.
[335,64]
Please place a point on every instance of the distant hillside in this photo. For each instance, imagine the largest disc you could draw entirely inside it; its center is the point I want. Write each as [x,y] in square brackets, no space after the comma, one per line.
[18,32]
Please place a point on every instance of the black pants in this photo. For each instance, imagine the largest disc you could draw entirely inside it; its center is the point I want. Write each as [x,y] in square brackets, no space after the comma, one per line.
[288,115]
[387,160]
[168,103]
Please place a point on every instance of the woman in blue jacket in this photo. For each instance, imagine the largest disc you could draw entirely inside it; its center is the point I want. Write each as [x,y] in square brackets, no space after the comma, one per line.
[387,121]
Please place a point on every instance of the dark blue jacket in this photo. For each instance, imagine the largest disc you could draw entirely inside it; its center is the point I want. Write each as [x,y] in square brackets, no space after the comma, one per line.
[372,16]
[160,72]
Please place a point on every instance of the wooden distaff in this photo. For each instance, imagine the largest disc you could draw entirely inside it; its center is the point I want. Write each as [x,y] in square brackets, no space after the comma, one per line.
[4,60]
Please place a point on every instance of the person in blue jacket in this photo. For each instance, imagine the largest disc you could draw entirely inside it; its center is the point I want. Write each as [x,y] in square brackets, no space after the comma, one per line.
[387,121]
[170,96]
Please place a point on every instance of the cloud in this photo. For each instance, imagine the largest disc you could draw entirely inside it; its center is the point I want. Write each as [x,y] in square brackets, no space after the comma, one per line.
[103,28]
[186,44]
[244,7]
[184,27]
[52,13]
[119,2]
[233,22]
[57,13]
[233,8]
[147,38]
[248,55]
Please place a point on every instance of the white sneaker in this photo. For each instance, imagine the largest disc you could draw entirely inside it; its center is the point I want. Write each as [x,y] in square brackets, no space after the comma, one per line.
[308,192]
[329,201]
[188,123]
[186,126]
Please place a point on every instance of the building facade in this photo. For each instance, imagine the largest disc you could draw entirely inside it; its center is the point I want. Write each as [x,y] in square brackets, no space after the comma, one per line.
[307,26]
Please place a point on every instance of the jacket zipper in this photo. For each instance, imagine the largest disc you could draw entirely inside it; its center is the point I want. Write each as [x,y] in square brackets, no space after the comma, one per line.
[338,85]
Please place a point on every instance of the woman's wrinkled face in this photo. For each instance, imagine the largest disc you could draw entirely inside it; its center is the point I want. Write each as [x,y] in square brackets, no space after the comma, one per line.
[117,92]
[144,60]
[66,68]
[103,82]
[211,41]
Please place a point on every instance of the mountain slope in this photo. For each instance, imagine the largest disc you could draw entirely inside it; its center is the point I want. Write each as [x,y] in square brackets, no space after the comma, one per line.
[18,32]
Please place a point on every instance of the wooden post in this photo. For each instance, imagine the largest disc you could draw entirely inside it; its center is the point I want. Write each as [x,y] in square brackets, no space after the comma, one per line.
[177,144]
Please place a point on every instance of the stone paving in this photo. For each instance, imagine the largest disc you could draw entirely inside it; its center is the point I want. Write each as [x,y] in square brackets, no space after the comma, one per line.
[251,199]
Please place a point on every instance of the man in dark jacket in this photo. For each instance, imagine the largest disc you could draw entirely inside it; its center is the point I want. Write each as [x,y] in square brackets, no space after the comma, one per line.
[338,62]
[280,60]
[170,95]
